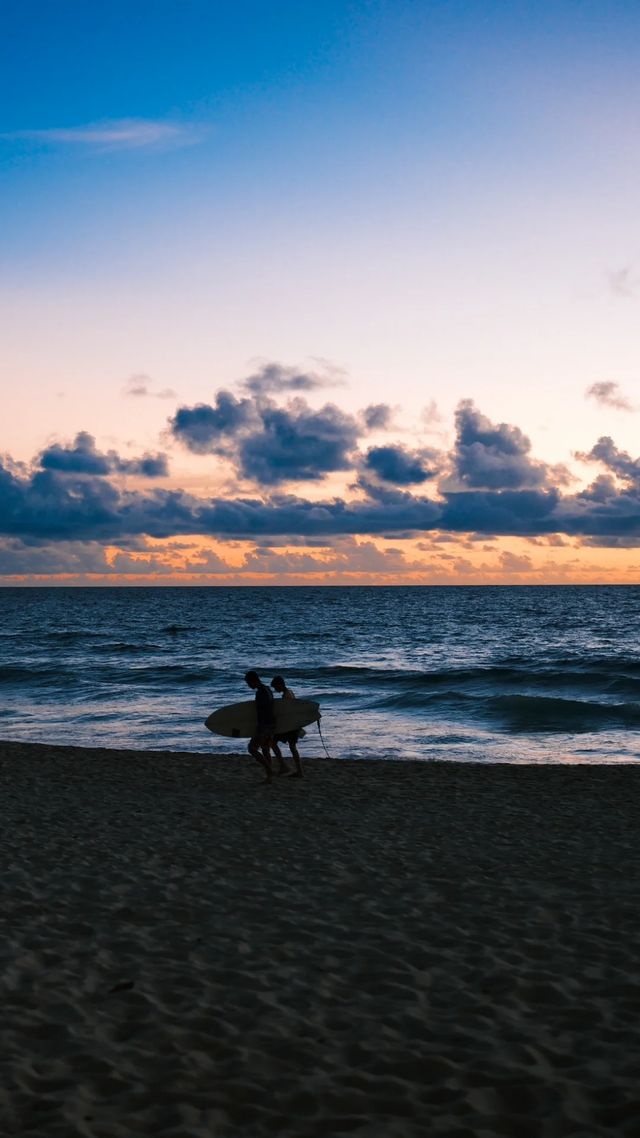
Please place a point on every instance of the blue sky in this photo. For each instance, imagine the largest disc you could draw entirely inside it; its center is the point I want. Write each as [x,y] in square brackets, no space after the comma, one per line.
[425,203]
[304,112]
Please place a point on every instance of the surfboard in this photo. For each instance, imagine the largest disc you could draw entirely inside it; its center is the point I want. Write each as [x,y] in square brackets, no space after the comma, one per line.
[238,720]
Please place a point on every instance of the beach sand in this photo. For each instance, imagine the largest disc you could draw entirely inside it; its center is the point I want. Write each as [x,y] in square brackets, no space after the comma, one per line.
[379,949]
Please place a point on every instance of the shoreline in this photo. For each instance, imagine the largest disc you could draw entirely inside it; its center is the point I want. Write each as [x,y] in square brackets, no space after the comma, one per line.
[382,949]
[33,749]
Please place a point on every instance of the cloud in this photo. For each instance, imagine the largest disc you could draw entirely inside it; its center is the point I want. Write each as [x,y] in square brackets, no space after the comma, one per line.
[507,512]
[20,559]
[207,429]
[600,542]
[493,456]
[267,443]
[515,563]
[274,377]
[138,386]
[619,462]
[148,465]
[80,458]
[117,134]
[431,415]
[347,556]
[296,443]
[398,465]
[72,492]
[49,504]
[377,417]
[622,282]
[83,458]
[84,558]
[609,395]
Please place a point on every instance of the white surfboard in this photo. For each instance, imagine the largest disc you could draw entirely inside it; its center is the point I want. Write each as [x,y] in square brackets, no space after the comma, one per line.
[238,720]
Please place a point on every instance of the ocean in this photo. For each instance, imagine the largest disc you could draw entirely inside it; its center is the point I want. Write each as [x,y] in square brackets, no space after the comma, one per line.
[490,674]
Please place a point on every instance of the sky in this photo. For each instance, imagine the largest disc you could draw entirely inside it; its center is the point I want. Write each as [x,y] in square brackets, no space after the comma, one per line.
[319,293]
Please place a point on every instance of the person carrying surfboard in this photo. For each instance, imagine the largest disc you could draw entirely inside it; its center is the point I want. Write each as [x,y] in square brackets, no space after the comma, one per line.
[260,744]
[291,737]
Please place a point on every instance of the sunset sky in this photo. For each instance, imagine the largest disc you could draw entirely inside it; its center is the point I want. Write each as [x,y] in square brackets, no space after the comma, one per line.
[339,292]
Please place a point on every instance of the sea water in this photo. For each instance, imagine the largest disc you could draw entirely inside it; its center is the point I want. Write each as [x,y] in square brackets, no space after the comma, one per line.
[490,674]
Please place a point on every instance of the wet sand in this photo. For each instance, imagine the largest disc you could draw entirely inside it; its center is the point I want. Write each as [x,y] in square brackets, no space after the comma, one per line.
[378,949]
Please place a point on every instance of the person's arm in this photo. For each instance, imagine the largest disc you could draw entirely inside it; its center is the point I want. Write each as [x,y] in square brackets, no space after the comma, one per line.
[264,708]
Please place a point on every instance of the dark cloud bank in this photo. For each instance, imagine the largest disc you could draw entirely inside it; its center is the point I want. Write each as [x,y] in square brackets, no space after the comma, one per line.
[487,484]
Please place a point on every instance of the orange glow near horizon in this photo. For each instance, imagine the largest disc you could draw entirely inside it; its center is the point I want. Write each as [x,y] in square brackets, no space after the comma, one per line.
[437,559]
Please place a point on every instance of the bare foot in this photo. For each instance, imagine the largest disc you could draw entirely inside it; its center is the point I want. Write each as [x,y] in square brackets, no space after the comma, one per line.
[265,766]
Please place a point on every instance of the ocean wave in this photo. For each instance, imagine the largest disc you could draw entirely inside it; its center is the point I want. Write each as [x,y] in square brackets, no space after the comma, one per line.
[411,690]
[421,700]
[474,669]
[531,714]
[32,673]
[126,648]
[163,674]
[71,635]
[517,711]
[611,663]
[556,670]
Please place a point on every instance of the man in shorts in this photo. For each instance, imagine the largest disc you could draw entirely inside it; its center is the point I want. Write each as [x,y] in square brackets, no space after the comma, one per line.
[291,737]
[260,744]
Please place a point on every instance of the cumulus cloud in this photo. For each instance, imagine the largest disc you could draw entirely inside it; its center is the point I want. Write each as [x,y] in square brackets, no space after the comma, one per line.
[493,456]
[399,465]
[208,429]
[619,462]
[117,134]
[148,465]
[81,457]
[50,504]
[609,395]
[267,443]
[506,512]
[271,443]
[296,443]
[377,417]
[73,493]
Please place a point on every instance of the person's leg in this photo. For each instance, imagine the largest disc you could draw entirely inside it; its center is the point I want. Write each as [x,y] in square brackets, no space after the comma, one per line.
[258,752]
[295,755]
[275,747]
[266,744]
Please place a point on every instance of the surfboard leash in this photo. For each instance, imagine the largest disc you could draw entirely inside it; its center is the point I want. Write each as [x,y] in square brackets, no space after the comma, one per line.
[322,738]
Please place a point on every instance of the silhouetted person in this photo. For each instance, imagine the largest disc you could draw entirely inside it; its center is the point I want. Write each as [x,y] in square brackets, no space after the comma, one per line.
[260,743]
[290,737]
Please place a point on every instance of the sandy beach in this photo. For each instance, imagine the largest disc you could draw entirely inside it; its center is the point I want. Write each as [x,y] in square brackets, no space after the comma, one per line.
[379,949]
